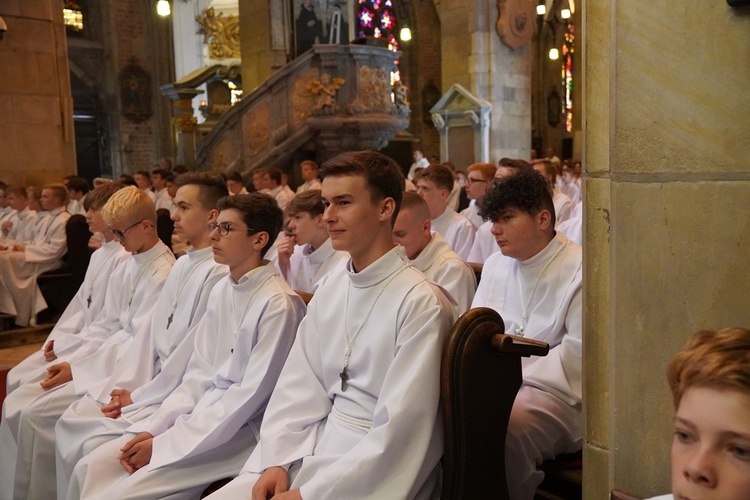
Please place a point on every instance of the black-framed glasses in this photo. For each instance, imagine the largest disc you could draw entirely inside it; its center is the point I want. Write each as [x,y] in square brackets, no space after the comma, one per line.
[121,234]
[225,228]
[469,180]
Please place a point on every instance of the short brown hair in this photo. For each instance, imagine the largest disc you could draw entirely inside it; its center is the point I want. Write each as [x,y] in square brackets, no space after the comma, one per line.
[712,359]
[439,175]
[60,190]
[308,201]
[99,197]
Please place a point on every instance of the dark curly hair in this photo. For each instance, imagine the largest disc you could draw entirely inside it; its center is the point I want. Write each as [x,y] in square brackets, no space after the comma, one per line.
[260,212]
[526,191]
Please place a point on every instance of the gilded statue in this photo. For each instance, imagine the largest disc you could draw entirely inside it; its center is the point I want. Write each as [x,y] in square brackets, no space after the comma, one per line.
[222,34]
[324,90]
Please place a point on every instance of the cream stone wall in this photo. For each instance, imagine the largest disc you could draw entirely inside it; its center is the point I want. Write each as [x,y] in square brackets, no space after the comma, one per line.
[36,110]
[667,226]
[490,70]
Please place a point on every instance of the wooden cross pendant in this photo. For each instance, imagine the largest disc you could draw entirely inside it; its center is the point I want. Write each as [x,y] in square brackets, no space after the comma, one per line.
[88,302]
[344,378]
[169,320]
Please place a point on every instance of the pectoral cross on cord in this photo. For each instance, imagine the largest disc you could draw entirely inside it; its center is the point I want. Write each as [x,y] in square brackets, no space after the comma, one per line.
[344,378]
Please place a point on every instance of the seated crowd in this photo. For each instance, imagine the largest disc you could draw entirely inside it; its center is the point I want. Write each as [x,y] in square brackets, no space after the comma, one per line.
[163,376]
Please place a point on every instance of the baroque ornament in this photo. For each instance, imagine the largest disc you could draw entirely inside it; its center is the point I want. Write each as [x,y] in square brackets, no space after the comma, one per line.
[374,91]
[515,22]
[324,91]
[135,92]
[222,34]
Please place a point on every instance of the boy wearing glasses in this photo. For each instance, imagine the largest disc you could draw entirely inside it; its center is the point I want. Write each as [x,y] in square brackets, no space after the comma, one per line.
[27,429]
[154,363]
[355,411]
[204,430]
[478,180]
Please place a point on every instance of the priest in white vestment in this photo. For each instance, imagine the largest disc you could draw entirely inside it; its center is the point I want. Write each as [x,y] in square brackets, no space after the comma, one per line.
[534,283]
[167,347]
[434,184]
[206,428]
[355,412]
[431,254]
[19,294]
[30,412]
[306,256]
[87,303]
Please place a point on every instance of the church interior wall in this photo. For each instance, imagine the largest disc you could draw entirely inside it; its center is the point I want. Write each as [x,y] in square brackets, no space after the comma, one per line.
[665,238]
[36,106]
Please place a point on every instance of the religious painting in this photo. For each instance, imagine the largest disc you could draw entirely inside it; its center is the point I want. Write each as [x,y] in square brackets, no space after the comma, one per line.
[135,92]
[320,21]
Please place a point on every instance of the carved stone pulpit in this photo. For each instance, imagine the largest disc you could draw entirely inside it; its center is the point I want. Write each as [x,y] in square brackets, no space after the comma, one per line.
[463,121]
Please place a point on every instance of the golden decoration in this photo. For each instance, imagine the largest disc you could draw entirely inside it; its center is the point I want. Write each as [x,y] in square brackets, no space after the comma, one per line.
[222,34]
[324,91]
[185,123]
[303,101]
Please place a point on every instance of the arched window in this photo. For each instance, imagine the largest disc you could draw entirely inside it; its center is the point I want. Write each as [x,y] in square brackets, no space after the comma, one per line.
[568,49]
[377,18]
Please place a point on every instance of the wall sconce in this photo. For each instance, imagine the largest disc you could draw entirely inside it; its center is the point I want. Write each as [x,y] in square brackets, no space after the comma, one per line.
[163,8]
[565,14]
[554,54]
[405,34]
[541,8]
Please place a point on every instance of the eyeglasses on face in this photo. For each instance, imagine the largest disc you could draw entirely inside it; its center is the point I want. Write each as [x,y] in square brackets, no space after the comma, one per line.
[225,228]
[469,180]
[121,234]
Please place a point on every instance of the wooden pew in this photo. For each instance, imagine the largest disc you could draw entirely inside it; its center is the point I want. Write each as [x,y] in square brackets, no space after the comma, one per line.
[480,377]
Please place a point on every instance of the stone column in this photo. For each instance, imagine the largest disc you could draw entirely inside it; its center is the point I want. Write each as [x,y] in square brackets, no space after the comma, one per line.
[183,123]
[492,71]
[666,226]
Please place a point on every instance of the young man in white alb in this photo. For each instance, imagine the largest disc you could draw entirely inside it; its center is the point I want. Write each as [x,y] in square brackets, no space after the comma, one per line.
[484,243]
[431,254]
[19,228]
[563,204]
[306,256]
[162,351]
[434,184]
[309,171]
[19,294]
[282,193]
[87,303]
[479,178]
[534,283]
[204,430]
[159,182]
[27,430]
[355,412]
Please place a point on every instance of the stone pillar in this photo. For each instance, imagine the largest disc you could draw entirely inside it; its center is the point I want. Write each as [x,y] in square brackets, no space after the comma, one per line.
[492,71]
[36,107]
[183,123]
[666,227]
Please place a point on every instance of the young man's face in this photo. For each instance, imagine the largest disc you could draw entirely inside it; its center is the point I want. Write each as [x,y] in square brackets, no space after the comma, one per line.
[518,234]
[434,197]
[411,233]
[351,216]
[268,182]
[234,187]
[48,200]
[567,177]
[142,181]
[711,446]
[231,250]
[96,222]
[190,218]
[158,181]
[258,182]
[476,185]
[135,236]
[3,199]
[417,155]
[74,195]
[308,172]
[171,189]
[17,202]
[305,227]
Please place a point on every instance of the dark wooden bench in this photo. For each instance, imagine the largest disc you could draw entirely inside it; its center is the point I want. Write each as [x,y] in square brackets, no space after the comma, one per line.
[59,286]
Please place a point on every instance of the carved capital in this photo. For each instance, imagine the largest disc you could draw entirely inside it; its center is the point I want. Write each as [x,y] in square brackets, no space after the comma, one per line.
[515,22]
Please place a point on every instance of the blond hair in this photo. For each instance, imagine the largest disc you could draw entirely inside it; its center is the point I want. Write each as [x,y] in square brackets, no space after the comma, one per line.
[129,205]
[718,360]
[59,191]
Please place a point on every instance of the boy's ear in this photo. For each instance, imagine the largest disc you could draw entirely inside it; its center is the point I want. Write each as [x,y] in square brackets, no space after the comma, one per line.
[212,215]
[387,207]
[260,240]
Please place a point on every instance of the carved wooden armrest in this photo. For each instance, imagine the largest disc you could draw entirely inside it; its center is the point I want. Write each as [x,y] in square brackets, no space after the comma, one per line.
[512,344]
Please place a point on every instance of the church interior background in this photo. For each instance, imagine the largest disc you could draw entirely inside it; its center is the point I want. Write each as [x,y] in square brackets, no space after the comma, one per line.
[650,96]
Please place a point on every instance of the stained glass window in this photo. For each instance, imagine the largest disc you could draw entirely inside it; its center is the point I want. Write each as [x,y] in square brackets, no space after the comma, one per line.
[568,49]
[72,16]
[377,18]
